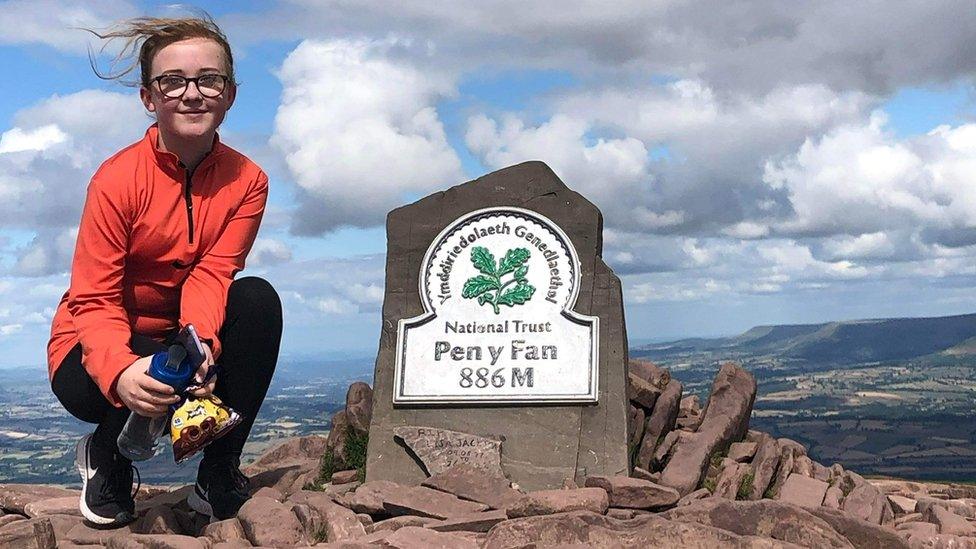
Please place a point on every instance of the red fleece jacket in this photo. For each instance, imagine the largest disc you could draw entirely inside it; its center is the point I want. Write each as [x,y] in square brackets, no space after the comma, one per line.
[157,249]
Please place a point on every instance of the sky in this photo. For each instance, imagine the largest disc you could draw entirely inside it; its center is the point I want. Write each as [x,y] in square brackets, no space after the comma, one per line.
[758,162]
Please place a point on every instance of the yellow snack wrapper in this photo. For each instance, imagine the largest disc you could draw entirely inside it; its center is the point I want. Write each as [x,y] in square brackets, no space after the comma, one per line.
[197,423]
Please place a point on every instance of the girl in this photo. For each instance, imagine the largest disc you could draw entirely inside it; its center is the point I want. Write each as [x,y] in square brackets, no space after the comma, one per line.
[167,223]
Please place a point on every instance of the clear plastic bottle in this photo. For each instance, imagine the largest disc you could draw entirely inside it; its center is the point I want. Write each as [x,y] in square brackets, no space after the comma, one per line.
[137,441]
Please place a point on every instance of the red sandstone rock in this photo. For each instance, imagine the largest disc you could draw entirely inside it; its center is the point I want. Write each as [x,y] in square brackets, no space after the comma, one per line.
[473,484]
[14,497]
[67,505]
[225,530]
[634,493]
[902,505]
[660,422]
[359,406]
[742,451]
[583,529]
[156,541]
[783,470]
[641,392]
[764,465]
[949,522]
[345,477]
[294,451]
[412,537]
[427,502]
[635,425]
[396,523]
[724,420]
[547,502]
[866,502]
[833,497]
[475,522]
[160,520]
[764,518]
[803,465]
[921,529]
[698,494]
[650,372]
[339,523]
[269,492]
[644,474]
[268,522]
[37,533]
[861,534]
[7,519]
[798,449]
[729,480]
[803,491]
[689,406]
[369,497]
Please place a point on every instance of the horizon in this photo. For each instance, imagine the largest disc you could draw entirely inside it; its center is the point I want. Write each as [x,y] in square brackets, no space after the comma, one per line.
[334,355]
[768,166]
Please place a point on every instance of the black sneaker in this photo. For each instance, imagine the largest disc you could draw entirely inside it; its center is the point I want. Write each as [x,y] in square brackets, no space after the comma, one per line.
[106,484]
[221,489]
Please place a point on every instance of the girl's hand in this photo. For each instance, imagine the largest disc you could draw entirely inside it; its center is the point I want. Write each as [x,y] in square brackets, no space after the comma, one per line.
[204,390]
[141,393]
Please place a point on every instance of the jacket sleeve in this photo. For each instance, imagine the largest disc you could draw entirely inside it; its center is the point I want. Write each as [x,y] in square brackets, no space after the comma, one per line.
[95,292]
[204,297]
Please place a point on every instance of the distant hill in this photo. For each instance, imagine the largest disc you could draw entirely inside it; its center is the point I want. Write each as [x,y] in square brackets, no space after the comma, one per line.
[873,340]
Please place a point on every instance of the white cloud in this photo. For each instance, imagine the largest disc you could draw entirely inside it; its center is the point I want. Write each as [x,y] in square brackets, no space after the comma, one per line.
[268,251]
[753,47]
[7,329]
[359,132]
[58,23]
[606,171]
[48,253]
[39,139]
[859,179]
[709,178]
[54,147]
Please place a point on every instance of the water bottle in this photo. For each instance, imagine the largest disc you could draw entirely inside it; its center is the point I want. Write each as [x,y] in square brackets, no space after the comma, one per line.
[137,441]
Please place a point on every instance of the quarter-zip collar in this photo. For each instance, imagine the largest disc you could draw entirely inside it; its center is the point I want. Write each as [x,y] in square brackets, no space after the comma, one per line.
[170,163]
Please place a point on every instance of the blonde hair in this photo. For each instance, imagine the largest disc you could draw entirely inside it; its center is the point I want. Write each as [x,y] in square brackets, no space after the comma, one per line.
[148,35]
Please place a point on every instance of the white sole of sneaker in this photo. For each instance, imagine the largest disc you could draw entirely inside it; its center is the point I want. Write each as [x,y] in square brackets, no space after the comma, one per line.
[199,504]
[81,462]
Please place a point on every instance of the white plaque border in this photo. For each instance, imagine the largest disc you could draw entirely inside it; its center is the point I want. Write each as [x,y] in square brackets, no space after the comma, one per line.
[593,322]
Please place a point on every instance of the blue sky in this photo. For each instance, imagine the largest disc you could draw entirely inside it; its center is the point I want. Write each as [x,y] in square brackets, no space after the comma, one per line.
[754,165]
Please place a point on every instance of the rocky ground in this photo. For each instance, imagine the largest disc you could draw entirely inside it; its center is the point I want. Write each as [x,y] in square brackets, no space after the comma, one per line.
[701,478]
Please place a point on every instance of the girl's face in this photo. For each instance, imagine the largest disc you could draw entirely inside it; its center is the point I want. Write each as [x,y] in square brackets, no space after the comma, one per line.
[192,115]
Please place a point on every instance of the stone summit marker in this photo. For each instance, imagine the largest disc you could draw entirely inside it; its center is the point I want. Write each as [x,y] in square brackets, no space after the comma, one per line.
[501,322]
[498,330]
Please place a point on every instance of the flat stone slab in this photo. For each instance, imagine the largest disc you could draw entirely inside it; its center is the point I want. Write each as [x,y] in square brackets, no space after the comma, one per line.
[439,449]
[68,505]
[742,451]
[427,502]
[547,502]
[14,497]
[473,484]
[477,522]
[634,493]
[803,491]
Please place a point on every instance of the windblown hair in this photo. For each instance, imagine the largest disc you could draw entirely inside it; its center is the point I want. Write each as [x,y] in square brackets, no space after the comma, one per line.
[148,35]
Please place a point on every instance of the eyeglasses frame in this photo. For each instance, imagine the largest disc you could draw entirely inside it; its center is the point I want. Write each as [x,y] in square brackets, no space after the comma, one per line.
[194,80]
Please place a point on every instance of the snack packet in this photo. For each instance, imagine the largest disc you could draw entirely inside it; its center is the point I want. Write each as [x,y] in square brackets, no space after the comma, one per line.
[197,422]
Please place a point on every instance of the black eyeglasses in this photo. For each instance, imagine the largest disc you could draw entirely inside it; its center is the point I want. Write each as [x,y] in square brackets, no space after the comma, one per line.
[174,85]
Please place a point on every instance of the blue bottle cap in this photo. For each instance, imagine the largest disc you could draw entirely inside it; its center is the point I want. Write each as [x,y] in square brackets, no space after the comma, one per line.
[177,377]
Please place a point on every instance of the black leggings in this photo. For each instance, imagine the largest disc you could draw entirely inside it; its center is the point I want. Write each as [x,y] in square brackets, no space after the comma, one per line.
[250,338]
